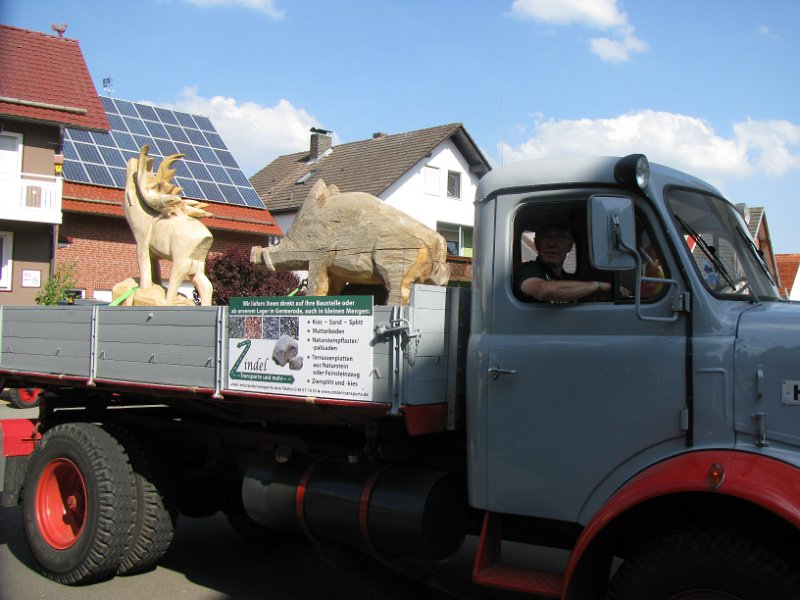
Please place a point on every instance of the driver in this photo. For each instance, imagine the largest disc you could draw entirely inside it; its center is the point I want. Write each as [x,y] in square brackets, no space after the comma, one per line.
[544,279]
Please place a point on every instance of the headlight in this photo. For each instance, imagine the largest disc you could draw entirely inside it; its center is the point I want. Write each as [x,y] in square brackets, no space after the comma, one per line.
[633,169]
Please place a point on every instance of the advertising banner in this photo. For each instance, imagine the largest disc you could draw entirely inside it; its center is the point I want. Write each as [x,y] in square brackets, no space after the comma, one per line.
[301,346]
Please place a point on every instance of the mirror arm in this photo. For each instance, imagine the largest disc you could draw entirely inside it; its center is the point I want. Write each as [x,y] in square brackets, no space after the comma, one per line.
[620,244]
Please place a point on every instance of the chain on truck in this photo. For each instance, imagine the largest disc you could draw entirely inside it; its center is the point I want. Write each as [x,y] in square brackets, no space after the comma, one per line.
[652,438]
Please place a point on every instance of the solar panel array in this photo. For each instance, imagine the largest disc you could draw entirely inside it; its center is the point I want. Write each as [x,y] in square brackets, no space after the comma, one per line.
[208,170]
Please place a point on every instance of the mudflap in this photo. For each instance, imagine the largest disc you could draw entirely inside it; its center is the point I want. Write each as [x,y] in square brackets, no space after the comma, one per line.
[17,440]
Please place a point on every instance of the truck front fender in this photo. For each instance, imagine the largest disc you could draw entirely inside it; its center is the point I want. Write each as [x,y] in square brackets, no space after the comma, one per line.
[763,481]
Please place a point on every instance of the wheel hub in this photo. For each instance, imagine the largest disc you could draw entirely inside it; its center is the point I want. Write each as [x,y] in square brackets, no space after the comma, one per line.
[61,504]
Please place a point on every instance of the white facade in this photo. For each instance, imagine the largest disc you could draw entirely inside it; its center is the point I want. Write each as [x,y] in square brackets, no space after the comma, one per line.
[794,292]
[423,193]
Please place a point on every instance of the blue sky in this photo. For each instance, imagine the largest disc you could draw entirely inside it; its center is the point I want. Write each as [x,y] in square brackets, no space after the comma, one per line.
[707,86]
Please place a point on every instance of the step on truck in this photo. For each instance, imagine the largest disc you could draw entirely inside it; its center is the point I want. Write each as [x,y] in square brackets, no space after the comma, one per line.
[649,433]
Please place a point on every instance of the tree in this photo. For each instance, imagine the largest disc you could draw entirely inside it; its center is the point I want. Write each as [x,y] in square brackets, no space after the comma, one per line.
[232,274]
[56,287]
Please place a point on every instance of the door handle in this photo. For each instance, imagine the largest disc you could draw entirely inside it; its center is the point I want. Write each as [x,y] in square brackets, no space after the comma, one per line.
[495,372]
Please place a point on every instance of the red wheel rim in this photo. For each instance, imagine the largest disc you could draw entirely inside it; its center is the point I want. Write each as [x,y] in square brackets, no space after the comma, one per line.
[28,395]
[61,504]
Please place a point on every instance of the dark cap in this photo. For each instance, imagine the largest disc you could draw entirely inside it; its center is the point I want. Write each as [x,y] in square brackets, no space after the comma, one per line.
[553,224]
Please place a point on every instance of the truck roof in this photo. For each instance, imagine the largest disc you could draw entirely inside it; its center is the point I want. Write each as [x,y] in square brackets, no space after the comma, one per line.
[587,170]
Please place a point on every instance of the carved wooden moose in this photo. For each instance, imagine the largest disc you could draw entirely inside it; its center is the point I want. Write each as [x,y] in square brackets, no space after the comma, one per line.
[166,226]
[355,238]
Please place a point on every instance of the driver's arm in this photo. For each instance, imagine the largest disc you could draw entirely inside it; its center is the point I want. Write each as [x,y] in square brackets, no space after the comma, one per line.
[561,291]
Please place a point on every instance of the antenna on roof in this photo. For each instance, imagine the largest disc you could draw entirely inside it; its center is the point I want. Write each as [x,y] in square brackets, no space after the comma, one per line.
[108,86]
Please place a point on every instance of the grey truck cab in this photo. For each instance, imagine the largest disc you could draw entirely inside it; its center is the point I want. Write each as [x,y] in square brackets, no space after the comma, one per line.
[670,405]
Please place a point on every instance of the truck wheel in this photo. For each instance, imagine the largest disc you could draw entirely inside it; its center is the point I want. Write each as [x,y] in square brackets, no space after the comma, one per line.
[154,521]
[78,503]
[25,397]
[700,566]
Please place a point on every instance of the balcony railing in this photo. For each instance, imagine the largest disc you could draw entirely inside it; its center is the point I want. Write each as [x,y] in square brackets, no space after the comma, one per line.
[33,198]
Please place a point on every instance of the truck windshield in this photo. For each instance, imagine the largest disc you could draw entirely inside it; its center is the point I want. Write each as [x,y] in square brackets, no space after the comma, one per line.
[723,251]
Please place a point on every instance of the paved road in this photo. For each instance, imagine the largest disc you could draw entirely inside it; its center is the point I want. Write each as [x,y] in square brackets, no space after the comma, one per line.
[209,561]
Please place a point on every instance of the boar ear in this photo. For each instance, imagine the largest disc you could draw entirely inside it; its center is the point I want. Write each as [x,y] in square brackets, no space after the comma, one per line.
[319,192]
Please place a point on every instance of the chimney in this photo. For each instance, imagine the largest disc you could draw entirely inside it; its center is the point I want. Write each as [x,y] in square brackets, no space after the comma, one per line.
[378,135]
[320,143]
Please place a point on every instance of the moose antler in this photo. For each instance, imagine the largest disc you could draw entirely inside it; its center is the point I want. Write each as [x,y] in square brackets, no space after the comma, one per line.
[158,191]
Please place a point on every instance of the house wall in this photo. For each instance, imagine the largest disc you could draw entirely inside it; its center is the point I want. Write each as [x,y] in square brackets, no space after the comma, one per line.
[31,243]
[39,142]
[284,220]
[409,195]
[32,246]
[104,253]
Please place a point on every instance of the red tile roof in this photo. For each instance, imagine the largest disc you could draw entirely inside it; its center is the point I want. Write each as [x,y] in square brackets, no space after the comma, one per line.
[96,200]
[787,270]
[44,79]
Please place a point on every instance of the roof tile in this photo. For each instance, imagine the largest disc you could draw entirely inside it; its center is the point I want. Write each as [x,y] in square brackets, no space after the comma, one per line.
[97,200]
[369,166]
[39,69]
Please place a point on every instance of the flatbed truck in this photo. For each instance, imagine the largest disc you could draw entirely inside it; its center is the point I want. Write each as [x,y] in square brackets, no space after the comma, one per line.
[652,436]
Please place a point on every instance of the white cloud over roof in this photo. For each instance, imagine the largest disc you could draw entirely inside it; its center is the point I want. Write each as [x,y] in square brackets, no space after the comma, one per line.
[254,134]
[598,14]
[770,147]
[266,7]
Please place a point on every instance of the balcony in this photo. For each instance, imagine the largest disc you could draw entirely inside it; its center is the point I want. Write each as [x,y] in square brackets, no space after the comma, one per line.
[32,198]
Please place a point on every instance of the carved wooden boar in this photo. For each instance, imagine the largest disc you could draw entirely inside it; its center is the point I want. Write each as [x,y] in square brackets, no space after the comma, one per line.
[355,238]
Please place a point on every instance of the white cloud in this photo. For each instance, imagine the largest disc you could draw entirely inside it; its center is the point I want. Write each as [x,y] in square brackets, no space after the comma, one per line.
[617,50]
[770,144]
[266,7]
[595,13]
[254,134]
[768,148]
[598,14]
[767,33]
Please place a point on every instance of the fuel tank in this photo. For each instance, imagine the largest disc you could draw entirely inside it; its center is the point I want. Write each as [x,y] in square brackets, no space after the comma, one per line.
[392,509]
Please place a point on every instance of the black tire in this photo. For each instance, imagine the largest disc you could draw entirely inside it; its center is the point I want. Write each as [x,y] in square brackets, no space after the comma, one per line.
[154,520]
[78,504]
[25,397]
[703,566]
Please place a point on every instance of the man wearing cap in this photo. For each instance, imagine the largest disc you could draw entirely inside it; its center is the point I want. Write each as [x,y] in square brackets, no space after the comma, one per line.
[544,280]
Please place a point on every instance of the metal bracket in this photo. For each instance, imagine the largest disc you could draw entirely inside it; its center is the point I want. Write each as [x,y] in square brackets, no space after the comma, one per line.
[409,341]
[682,302]
[761,422]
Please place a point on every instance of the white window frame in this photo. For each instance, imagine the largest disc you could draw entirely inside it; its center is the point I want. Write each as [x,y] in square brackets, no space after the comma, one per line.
[6,260]
[453,230]
[430,181]
[457,194]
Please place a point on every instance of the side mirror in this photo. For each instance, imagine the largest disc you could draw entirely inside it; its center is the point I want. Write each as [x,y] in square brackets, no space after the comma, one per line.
[612,233]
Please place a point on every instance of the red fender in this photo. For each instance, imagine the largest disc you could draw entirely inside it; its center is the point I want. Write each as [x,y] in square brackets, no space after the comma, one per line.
[17,437]
[760,480]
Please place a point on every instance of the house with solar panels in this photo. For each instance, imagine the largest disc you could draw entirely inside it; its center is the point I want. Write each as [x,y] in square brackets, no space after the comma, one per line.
[94,234]
[430,174]
[44,87]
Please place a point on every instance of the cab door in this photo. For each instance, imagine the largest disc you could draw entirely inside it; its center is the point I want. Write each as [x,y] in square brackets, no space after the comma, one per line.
[580,395]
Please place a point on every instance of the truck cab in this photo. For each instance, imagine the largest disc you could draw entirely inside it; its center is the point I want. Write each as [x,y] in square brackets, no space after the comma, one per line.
[684,368]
